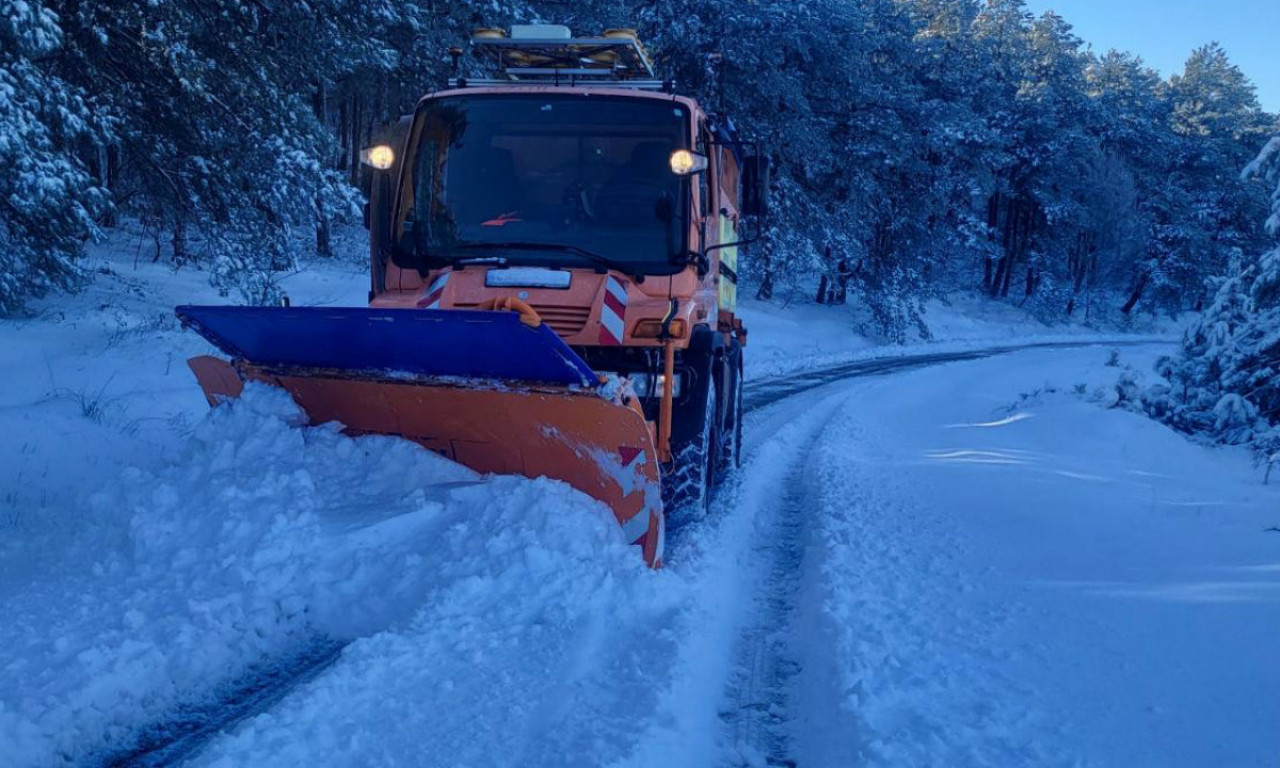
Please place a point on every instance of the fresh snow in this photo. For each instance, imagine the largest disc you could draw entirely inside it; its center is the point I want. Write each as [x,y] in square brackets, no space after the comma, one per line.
[791,337]
[1008,574]
[977,563]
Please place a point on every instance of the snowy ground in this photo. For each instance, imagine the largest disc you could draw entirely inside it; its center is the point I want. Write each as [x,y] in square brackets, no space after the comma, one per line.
[793,336]
[977,563]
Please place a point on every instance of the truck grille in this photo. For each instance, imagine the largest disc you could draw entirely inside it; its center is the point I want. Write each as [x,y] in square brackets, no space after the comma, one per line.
[565,321]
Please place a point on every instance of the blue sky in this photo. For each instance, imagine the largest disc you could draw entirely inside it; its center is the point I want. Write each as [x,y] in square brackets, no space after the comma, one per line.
[1163,32]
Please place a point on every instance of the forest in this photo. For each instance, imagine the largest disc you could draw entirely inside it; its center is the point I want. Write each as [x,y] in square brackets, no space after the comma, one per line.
[919,147]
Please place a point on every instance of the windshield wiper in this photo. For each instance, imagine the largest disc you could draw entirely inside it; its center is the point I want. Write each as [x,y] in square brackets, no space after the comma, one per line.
[496,261]
[592,256]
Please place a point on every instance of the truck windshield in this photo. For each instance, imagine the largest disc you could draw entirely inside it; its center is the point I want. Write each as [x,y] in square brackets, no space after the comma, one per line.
[570,176]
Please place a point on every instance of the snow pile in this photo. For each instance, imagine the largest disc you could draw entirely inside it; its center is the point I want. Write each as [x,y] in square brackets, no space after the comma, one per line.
[98,382]
[543,646]
[263,540]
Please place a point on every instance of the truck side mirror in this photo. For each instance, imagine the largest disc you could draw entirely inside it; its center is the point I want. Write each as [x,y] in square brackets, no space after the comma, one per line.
[755,186]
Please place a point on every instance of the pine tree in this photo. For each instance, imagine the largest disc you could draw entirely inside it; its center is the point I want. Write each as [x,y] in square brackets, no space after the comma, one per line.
[919,146]
[1203,217]
[47,199]
[220,141]
[1226,381]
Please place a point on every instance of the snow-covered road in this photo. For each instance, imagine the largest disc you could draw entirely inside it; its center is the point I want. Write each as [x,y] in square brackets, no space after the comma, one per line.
[978,564]
[975,562]
[968,564]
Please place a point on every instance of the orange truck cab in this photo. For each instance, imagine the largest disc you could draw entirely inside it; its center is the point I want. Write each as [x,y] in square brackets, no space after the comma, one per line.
[575,184]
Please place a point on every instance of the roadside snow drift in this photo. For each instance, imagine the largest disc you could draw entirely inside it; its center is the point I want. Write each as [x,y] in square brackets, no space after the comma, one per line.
[263,540]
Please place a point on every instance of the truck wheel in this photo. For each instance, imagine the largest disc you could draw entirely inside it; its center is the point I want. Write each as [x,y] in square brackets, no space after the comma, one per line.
[687,486]
[737,426]
[731,439]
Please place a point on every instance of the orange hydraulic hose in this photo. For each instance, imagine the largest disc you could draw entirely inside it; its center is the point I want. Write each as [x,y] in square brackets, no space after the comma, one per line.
[528,315]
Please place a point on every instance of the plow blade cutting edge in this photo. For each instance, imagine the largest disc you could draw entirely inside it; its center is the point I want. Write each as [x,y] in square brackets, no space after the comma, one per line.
[489,390]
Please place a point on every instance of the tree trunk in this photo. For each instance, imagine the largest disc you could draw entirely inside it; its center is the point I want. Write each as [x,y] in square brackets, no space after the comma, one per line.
[108,165]
[765,291]
[840,293]
[344,135]
[1008,282]
[998,278]
[993,223]
[357,138]
[324,227]
[1138,289]
[324,233]
[179,240]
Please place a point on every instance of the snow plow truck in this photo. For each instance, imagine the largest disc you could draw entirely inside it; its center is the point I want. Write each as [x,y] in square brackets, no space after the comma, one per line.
[553,289]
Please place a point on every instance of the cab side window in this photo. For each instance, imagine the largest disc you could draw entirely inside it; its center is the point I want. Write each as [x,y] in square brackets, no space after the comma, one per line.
[704,188]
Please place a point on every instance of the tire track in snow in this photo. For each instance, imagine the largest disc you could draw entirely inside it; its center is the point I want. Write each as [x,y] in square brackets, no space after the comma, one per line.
[728,555]
[760,701]
[192,727]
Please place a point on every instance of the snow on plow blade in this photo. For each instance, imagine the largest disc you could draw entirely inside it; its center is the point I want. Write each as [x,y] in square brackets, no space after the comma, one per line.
[484,388]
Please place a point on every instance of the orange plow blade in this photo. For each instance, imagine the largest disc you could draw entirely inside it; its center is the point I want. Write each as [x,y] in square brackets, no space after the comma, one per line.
[598,446]
[495,391]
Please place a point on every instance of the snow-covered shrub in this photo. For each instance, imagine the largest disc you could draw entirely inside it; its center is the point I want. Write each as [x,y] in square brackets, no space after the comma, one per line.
[1129,390]
[1234,418]
[1125,393]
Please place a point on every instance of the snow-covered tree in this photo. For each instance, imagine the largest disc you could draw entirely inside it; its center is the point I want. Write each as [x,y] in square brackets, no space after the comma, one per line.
[919,146]
[47,199]
[1202,215]
[1226,382]
[219,140]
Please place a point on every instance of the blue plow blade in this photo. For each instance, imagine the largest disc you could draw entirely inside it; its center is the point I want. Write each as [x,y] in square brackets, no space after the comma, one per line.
[379,342]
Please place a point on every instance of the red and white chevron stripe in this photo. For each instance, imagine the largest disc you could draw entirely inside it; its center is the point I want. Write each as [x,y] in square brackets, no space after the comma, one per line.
[434,292]
[613,313]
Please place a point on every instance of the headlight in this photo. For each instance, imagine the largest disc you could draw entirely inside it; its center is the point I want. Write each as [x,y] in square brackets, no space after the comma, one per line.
[684,162]
[380,157]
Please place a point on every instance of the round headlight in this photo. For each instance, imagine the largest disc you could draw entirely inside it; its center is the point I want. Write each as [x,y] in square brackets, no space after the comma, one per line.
[684,162]
[381,157]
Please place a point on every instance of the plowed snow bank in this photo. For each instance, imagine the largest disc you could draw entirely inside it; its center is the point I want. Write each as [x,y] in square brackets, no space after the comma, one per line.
[260,539]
